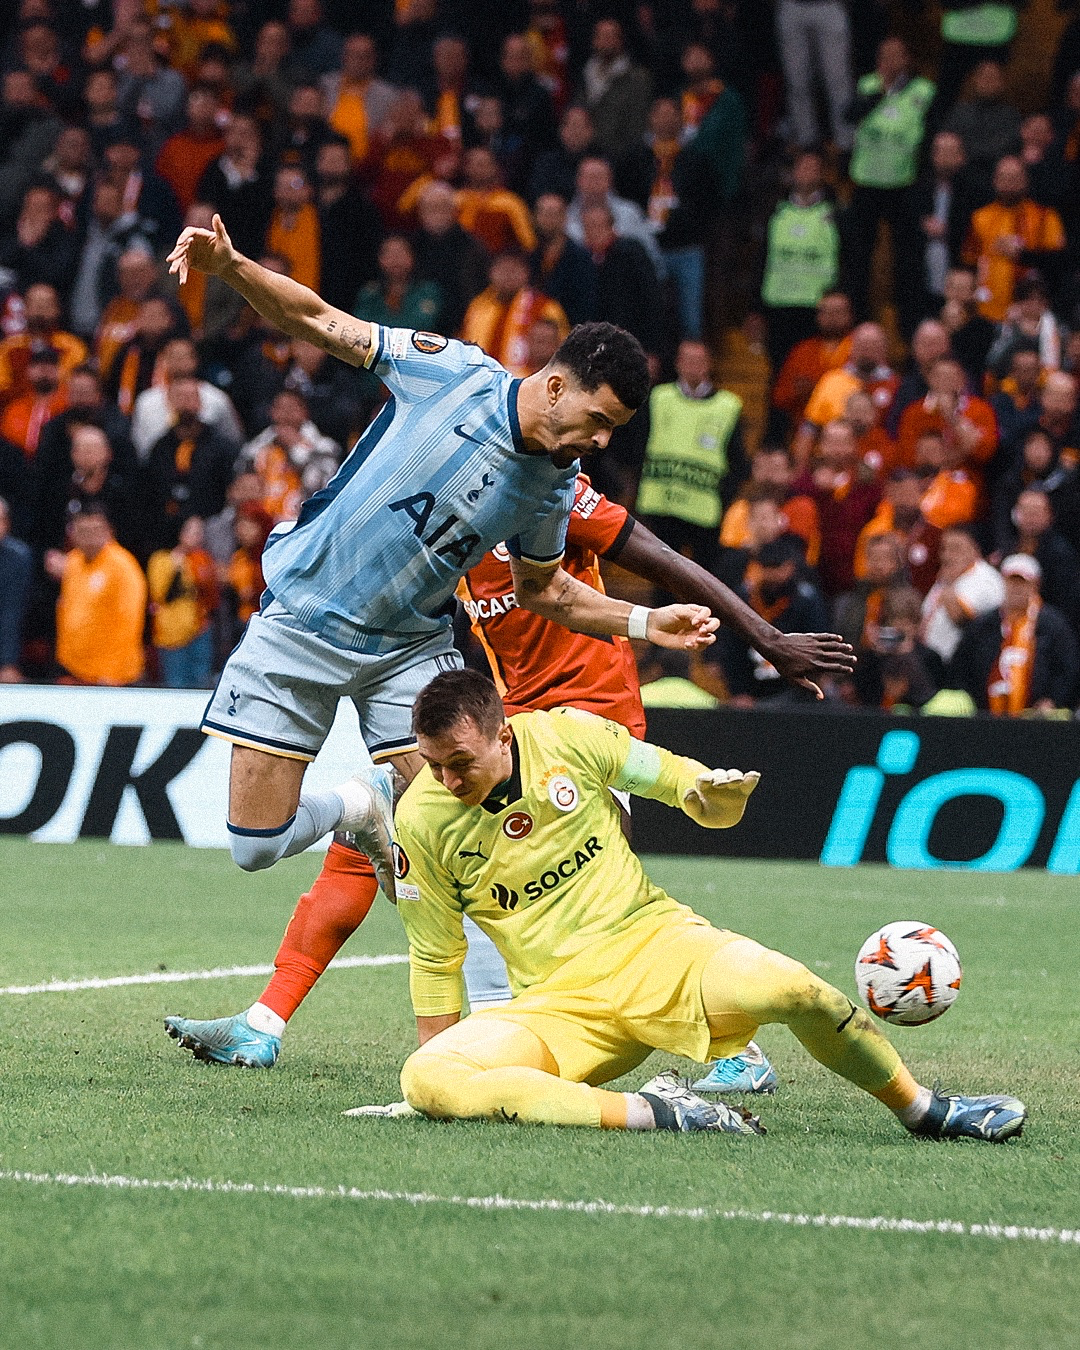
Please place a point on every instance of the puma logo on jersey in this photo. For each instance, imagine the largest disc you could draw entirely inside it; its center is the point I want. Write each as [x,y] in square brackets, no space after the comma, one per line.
[455,548]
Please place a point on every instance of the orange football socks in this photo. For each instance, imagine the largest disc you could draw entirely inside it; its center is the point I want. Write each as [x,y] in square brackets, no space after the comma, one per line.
[323,920]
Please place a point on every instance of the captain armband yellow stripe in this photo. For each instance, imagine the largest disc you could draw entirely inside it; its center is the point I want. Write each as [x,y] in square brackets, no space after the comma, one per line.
[641,769]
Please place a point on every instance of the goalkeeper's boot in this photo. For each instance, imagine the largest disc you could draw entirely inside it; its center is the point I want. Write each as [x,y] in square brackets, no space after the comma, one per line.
[368,822]
[675,1107]
[226,1040]
[748,1072]
[994,1119]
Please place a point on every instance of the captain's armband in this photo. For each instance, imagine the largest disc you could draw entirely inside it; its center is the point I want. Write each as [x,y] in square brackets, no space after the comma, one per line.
[641,769]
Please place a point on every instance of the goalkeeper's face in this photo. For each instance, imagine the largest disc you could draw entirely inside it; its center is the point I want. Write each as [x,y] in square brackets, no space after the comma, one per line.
[468,761]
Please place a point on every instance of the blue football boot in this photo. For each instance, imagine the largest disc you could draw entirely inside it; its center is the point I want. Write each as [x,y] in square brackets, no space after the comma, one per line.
[226,1040]
[748,1072]
[994,1119]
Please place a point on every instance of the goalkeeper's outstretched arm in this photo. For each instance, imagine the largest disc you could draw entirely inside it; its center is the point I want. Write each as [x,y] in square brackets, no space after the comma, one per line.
[713,798]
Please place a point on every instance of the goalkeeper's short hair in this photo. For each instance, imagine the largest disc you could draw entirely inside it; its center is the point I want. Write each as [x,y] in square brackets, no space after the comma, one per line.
[454,696]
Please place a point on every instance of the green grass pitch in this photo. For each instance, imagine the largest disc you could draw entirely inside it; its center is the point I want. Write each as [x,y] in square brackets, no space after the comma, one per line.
[91,1086]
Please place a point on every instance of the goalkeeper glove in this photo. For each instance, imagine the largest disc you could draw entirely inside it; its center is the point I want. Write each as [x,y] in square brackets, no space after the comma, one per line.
[717,798]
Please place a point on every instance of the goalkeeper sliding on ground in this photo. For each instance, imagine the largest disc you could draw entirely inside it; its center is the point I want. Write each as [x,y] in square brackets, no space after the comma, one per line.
[511,822]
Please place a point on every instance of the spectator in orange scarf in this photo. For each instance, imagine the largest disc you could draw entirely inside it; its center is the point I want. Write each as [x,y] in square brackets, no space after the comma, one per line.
[136,277]
[450,63]
[500,317]
[1021,657]
[41,315]
[859,610]
[900,513]
[136,365]
[358,101]
[24,417]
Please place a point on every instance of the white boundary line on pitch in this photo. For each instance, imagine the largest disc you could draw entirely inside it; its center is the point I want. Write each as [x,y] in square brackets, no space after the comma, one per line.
[181,976]
[502,1203]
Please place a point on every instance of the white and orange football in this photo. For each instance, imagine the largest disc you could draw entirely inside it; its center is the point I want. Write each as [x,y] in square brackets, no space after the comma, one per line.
[908,973]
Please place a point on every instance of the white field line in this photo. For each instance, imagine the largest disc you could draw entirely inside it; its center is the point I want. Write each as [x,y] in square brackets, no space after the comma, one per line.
[181,976]
[1068,1237]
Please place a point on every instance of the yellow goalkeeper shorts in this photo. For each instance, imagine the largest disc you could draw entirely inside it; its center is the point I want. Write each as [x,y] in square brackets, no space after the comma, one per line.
[604,1011]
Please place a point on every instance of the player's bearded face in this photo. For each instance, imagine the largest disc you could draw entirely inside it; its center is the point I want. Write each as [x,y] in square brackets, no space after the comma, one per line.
[468,761]
[582,421]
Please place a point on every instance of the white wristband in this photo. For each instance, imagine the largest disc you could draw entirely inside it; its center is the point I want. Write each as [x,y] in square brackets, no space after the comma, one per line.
[637,622]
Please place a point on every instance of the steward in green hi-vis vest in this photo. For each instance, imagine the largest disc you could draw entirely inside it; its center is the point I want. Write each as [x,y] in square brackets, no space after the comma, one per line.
[979,25]
[802,255]
[887,139]
[687,455]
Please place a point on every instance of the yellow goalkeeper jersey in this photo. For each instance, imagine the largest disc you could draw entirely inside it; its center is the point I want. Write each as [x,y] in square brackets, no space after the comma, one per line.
[545,869]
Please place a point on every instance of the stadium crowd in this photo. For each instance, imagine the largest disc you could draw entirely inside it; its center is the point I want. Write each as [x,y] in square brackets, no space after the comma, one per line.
[872,431]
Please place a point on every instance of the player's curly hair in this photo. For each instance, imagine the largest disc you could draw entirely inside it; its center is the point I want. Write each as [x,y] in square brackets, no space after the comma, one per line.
[453,696]
[600,353]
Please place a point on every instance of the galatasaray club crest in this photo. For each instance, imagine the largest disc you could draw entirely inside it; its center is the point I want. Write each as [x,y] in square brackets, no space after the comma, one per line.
[563,793]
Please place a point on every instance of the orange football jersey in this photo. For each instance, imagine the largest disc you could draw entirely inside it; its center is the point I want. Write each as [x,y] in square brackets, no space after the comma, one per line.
[539,664]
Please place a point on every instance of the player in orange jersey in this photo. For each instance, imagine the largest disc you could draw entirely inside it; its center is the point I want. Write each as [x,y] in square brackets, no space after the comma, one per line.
[536,664]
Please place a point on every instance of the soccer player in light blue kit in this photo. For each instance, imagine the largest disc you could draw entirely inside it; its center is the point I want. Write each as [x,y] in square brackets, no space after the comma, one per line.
[360,590]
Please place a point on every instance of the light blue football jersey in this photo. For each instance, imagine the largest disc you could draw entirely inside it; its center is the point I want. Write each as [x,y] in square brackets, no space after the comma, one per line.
[438,478]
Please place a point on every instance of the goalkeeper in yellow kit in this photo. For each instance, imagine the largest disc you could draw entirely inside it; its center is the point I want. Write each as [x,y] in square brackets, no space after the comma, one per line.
[512,823]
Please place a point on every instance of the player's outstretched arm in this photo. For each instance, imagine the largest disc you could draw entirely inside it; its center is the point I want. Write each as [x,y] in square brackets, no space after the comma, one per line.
[554,594]
[293,308]
[801,658]
[713,798]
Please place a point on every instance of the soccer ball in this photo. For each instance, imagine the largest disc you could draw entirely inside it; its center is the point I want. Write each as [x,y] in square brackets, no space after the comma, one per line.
[908,973]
